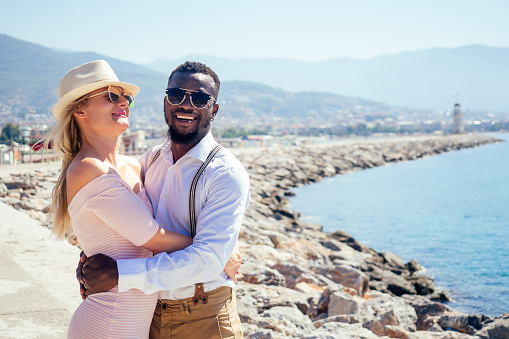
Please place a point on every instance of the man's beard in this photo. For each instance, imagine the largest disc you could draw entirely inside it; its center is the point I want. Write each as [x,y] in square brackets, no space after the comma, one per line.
[180,138]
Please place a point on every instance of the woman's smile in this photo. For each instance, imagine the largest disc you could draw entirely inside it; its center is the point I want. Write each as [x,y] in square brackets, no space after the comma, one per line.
[120,114]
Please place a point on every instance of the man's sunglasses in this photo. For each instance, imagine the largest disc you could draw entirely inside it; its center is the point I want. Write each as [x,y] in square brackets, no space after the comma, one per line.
[176,96]
[114,93]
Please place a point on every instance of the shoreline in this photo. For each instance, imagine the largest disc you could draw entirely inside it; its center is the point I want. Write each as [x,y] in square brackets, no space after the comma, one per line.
[276,172]
[298,281]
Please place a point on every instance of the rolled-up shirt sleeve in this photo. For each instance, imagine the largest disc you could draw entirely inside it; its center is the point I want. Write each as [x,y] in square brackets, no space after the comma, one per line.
[217,230]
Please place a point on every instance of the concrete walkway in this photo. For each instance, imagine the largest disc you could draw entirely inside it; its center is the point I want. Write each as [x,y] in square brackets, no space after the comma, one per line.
[38,288]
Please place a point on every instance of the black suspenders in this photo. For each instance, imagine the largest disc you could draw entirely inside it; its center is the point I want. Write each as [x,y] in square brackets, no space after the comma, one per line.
[192,189]
[199,292]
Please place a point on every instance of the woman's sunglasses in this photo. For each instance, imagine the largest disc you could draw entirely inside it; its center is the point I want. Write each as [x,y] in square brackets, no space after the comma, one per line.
[114,93]
[176,96]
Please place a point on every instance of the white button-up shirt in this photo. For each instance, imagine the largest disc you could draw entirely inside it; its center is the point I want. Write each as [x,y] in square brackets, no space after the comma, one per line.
[222,197]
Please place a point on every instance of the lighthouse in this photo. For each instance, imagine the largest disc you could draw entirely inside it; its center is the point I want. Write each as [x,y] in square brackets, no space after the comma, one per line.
[457,116]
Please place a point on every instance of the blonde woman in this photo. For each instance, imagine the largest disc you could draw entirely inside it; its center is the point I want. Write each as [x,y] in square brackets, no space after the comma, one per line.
[101,193]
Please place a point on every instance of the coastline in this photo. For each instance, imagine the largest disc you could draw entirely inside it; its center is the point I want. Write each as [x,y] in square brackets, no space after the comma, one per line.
[298,281]
[302,266]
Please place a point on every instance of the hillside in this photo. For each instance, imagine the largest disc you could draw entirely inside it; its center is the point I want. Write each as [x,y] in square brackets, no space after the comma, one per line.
[428,79]
[30,73]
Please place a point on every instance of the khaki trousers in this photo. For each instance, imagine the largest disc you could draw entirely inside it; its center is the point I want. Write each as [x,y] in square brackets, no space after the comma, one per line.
[182,319]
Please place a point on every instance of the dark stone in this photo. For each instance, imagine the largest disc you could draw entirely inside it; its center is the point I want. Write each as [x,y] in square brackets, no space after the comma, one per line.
[16,185]
[413,266]
[423,285]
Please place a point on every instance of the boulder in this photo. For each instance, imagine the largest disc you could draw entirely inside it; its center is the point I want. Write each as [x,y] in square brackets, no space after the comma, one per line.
[496,329]
[390,310]
[3,190]
[460,322]
[395,284]
[295,274]
[345,275]
[255,272]
[289,321]
[18,185]
[338,330]
[342,303]
[267,297]
[307,248]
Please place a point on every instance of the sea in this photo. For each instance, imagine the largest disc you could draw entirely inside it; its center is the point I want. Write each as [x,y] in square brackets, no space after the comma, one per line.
[449,212]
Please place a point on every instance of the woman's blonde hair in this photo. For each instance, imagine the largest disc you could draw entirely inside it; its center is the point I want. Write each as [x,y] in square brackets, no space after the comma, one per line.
[66,139]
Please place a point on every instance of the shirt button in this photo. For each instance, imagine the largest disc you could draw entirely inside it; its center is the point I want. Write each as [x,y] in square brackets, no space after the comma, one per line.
[164,196]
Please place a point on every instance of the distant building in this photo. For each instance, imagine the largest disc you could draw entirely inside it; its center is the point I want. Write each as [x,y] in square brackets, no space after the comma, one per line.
[134,142]
[457,117]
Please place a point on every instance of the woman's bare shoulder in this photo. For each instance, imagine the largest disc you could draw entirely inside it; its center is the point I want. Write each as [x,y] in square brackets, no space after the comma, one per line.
[133,163]
[81,172]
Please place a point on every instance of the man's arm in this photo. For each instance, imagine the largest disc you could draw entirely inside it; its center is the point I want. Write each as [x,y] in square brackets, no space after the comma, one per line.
[218,226]
[102,272]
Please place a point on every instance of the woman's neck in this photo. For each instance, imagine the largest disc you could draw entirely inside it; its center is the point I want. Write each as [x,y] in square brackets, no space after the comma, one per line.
[104,148]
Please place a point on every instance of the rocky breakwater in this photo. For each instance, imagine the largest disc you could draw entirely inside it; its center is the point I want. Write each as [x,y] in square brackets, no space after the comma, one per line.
[299,282]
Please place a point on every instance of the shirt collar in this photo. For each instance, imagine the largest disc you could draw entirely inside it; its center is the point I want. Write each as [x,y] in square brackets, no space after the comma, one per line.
[200,151]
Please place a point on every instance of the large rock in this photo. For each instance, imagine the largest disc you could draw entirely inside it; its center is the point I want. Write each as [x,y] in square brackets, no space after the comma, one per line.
[295,274]
[346,238]
[393,283]
[3,190]
[391,310]
[337,330]
[307,248]
[289,321]
[345,275]
[252,331]
[496,329]
[460,322]
[267,297]
[343,252]
[255,272]
[342,303]
[247,308]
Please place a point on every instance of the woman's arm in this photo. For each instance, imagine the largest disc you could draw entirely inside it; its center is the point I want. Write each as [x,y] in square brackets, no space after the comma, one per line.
[167,241]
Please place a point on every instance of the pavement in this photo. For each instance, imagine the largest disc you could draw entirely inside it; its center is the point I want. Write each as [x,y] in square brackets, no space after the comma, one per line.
[38,288]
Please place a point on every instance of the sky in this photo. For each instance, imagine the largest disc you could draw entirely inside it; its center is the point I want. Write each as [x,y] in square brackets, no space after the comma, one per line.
[143,31]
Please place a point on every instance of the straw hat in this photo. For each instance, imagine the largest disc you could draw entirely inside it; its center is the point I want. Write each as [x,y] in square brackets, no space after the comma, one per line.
[85,79]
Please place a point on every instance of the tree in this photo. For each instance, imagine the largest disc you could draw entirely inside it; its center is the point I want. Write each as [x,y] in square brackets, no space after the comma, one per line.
[10,132]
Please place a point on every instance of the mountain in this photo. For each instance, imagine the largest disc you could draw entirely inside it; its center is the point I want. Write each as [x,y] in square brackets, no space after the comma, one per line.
[435,78]
[30,74]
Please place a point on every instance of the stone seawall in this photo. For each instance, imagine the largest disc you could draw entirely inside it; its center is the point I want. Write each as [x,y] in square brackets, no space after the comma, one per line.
[299,282]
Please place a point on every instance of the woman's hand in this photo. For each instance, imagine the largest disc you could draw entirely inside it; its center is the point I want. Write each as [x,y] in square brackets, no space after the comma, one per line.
[233,265]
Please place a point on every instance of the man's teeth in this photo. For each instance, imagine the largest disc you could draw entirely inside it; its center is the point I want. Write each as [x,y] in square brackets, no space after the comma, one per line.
[184,117]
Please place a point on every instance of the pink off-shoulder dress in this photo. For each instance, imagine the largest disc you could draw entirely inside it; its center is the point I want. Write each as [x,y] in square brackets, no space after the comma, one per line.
[109,218]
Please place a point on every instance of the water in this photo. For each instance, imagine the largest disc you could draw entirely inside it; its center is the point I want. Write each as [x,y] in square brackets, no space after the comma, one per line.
[449,212]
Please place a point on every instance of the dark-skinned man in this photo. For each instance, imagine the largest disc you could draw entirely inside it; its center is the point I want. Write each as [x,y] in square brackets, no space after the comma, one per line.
[196,298]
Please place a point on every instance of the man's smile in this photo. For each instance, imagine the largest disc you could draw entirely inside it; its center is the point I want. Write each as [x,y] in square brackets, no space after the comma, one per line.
[185,117]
